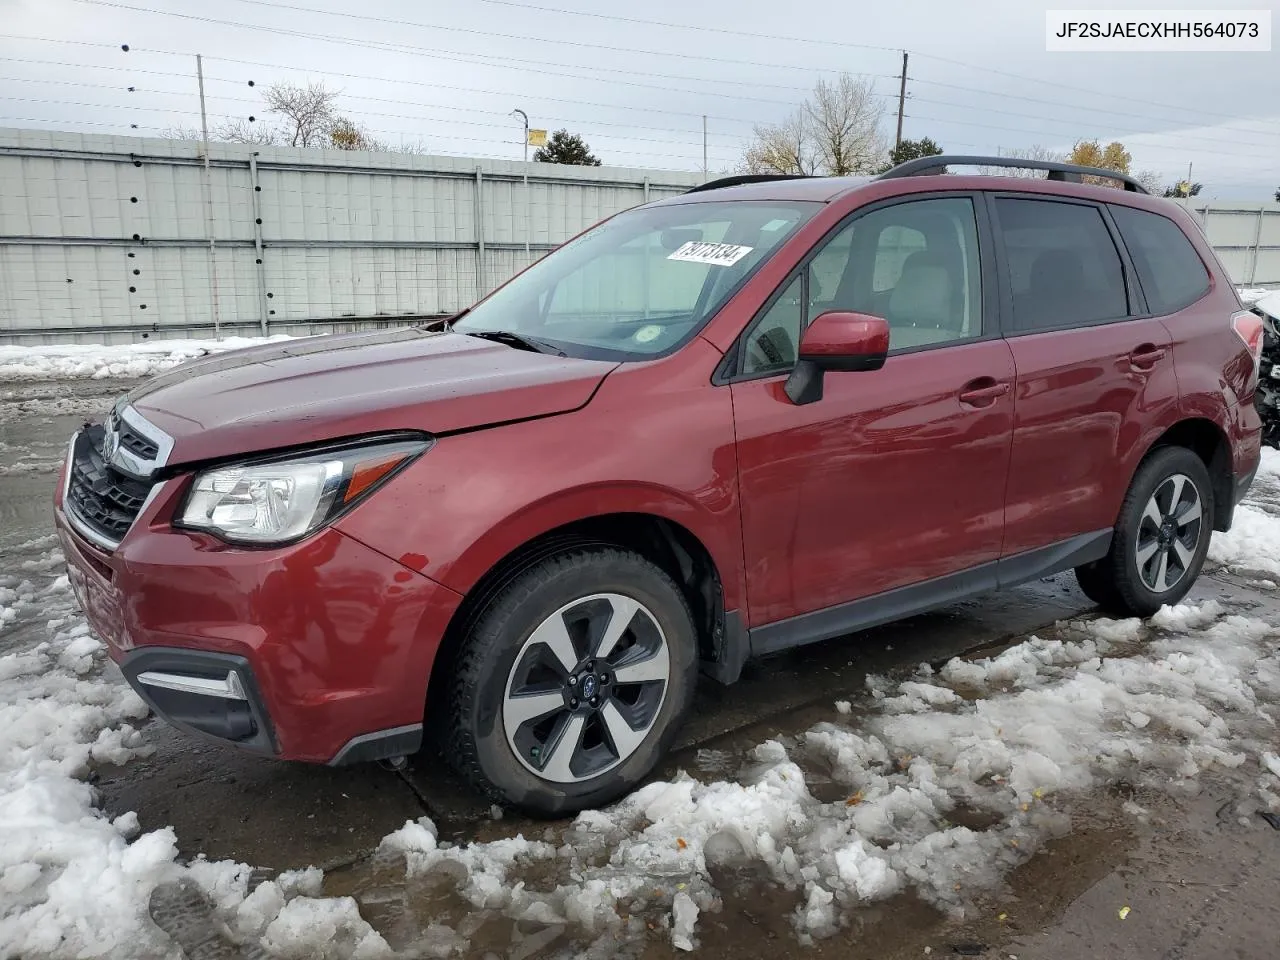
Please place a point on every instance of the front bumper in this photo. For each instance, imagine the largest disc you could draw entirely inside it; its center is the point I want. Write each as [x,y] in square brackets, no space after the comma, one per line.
[319,651]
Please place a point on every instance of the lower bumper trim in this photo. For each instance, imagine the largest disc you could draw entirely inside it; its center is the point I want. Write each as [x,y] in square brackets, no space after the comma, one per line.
[380,745]
[1243,483]
[213,695]
[229,688]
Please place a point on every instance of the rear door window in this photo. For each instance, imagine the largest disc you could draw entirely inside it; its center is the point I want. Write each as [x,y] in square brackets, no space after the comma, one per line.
[1171,272]
[1063,266]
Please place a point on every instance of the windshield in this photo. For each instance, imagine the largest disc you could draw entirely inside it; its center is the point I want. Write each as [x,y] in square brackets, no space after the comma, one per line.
[641,283]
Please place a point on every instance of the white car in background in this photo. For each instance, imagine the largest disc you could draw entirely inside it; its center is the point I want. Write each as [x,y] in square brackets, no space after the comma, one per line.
[1266,304]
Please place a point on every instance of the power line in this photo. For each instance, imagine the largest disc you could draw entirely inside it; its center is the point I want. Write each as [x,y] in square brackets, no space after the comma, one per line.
[488,60]
[523,38]
[81,43]
[392,80]
[973,123]
[690,26]
[1232,140]
[496,93]
[392,116]
[1077,123]
[1123,130]
[774,38]
[94,66]
[1060,103]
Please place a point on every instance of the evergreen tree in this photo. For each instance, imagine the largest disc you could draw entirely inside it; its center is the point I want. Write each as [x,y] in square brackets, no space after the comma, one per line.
[566,147]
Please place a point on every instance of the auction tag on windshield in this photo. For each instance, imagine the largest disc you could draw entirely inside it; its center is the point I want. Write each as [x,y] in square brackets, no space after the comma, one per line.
[719,254]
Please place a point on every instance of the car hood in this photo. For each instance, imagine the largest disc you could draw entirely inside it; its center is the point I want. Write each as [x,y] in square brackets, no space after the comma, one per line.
[1269,305]
[321,388]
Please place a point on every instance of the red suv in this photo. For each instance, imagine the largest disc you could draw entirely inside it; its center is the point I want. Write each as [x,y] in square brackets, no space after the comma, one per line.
[765,413]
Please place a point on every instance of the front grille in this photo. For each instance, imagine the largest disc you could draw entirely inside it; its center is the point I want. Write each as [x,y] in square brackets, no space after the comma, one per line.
[102,497]
[136,443]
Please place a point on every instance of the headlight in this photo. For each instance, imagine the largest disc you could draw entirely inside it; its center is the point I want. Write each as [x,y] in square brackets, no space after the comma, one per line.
[277,501]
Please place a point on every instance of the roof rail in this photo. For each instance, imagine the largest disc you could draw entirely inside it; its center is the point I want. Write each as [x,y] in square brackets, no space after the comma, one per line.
[1068,172]
[741,178]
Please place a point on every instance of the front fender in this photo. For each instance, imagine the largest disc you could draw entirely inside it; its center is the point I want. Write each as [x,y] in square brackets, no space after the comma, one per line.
[714,530]
[649,442]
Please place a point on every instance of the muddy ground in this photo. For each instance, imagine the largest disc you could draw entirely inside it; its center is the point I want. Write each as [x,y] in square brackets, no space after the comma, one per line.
[1200,882]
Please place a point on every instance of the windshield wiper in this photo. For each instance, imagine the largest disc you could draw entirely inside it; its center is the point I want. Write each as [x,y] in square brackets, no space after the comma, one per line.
[518,340]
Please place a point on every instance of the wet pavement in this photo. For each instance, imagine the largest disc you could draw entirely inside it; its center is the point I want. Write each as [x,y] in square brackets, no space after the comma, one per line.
[1200,884]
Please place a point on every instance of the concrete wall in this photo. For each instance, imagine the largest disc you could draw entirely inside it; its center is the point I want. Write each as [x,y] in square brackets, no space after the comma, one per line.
[1246,237]
[107,238]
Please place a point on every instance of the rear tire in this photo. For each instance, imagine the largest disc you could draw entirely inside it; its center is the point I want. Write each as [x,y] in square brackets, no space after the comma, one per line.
[1161,539]
[572,682]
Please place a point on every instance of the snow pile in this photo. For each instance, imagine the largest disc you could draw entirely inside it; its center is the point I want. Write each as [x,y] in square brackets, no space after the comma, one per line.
[945,780]
[74,883]
[1249,546]
[71,883]
[123,361]
[997,735]
[1252,545]
[1155,703]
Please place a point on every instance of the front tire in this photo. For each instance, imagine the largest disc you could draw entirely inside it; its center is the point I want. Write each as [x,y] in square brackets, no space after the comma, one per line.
[1161,540]
[572,682]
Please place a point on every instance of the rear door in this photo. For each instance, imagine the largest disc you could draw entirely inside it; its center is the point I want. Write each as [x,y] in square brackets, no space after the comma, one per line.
[1093,367]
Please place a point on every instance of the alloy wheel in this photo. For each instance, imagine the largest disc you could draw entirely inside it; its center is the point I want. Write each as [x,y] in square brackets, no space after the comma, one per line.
[1169,533]
[586,688]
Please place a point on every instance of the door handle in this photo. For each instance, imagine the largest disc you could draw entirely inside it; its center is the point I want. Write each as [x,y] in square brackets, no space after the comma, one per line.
[982,392]
[1146,356]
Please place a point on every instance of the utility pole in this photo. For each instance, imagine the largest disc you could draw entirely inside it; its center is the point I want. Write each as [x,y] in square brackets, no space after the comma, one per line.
[902,101]
[208,202]
[525,117]
[704,148]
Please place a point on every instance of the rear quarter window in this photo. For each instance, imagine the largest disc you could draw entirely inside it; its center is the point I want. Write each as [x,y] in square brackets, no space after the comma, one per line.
[1171,272]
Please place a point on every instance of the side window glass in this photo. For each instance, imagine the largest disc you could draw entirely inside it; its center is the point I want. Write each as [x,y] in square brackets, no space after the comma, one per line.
[915,264]
[1173,275]
[1063,265]
[825,271]
[770,342]
[895,246]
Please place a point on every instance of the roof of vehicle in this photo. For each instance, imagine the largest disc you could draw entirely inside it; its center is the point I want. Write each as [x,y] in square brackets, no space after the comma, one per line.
[1067,177]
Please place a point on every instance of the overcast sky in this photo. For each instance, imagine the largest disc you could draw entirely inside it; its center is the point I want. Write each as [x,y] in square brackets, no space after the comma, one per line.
[447,74]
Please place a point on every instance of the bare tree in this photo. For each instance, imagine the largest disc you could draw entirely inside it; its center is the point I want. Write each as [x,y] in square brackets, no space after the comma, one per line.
[786,147]
[231,131]
[305,117]
[1033,152]
[307,114]
[844,118]
[1151,180]
[835,132]
[243,131]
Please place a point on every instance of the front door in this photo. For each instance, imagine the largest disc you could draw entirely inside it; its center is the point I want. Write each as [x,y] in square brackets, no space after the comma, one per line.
[895,476]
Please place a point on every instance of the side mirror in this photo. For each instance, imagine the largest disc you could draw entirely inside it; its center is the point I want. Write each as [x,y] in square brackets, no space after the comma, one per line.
[836,341]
